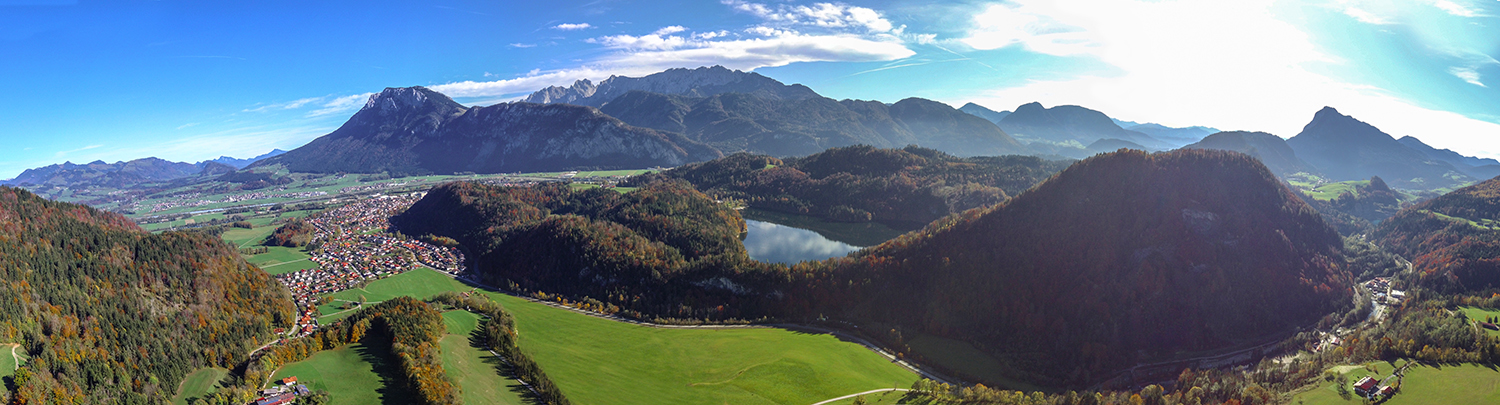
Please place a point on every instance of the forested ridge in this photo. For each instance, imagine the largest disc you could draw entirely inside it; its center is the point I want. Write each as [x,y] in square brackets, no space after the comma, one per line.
[1453,241]
[863,183]
[1121,258]
[113,315]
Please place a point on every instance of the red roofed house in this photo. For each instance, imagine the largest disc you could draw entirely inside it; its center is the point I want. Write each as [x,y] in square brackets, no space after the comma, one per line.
[289,380]
[1365,386]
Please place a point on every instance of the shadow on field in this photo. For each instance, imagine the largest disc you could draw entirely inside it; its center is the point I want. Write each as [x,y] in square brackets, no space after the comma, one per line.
[505,370]
[375,348]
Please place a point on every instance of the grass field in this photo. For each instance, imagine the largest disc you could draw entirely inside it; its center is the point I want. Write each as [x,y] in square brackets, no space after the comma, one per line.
[281,259]
[1479,314]
[199,383]
[599,361]
[473,367]
[354,374]
[1423,385]
[9,363]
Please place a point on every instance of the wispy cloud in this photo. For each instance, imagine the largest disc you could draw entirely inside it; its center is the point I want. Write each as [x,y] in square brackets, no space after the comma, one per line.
[341,104]
[785,34]
[62,153]
[521,45]
[289,105]
[187,125]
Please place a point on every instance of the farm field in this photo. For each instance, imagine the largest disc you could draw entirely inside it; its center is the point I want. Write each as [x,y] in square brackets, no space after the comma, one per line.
[420,283]
[1423,385]
[473,368]
[1480,314]
[600,361]
[353,374]
[199,383]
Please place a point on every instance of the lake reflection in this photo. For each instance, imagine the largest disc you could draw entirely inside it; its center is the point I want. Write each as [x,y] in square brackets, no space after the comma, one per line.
[775,243]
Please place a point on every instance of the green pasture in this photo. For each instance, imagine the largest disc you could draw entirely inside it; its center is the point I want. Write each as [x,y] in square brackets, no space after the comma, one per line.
[1479,315]
[472,367]
[11,357]
[600,361]
[1423,385]
[280,259]
[353,374]
[199,383]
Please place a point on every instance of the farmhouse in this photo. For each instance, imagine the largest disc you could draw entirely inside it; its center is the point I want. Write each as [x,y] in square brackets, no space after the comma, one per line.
[276,400]
[1365,386]
[289,380]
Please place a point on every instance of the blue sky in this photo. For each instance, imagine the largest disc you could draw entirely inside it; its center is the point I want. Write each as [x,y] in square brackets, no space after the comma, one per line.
[189,81]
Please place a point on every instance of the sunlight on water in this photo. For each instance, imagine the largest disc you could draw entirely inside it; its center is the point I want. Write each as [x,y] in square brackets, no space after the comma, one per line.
[775,243]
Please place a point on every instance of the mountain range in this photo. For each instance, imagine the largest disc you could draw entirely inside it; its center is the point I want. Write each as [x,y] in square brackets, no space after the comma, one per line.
[695,83]
[414,130]
[128,173]
[1343,148]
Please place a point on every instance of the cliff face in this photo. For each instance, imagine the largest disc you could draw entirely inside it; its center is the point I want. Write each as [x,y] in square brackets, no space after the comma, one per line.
[415,130]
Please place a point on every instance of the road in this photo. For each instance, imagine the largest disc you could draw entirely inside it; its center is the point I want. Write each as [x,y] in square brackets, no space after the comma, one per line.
[862,393]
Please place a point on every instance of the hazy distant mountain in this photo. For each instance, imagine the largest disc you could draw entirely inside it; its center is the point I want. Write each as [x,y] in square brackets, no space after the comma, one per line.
[982,112]
[98,173]
[1111,145]
[1271,150]
[241,163]
[1473,166]
[1343,148]
[700,82]
[735,122]
[1174,136]
[1070,124]
[415,130]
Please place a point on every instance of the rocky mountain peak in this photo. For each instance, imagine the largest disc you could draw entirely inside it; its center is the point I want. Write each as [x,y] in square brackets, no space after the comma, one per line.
[407,98]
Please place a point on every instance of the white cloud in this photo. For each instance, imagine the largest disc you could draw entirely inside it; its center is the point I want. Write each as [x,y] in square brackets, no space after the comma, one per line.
[62,153]
[290,105]
[1467,74]
[828,15]
[835,32]
[572,27]
[1231,65]
[341,104]
[521,45]
[669,30]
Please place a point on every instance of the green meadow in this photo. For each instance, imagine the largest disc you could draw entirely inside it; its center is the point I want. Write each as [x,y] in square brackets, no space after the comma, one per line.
[353,374]
[1423,385]
[198,384]
[600,361]
[472,366]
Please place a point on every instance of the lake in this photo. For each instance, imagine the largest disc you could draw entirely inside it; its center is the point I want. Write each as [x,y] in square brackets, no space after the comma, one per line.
[787,238]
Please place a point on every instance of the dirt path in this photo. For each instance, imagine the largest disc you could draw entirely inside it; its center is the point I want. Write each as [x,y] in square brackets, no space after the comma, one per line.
[14,357]
[862,393]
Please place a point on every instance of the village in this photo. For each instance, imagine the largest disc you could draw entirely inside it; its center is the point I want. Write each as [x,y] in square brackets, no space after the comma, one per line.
[353,247]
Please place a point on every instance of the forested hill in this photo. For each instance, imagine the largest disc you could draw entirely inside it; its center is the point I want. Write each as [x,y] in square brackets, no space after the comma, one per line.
[113,315]
[1121,258]
[862,183]
[1451,240]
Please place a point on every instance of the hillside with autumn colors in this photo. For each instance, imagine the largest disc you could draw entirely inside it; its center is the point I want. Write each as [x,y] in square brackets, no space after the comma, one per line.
[861,183]
[112,314]
[1453,241]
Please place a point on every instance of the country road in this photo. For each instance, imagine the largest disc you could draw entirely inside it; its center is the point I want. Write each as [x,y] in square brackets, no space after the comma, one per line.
[862,393]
